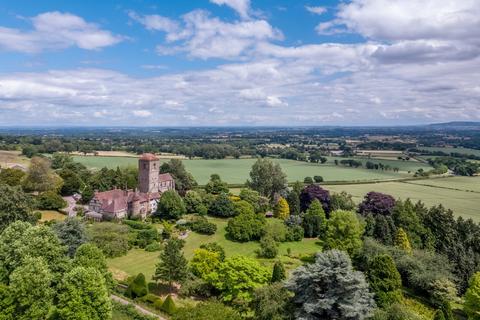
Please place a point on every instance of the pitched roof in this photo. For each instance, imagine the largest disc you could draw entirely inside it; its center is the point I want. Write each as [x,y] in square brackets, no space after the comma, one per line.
[165,177]
[148,157]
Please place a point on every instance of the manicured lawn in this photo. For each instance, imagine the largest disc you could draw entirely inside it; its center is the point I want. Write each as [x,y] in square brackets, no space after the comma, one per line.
[237,170]
[463,203]
[48,215]
[138,260]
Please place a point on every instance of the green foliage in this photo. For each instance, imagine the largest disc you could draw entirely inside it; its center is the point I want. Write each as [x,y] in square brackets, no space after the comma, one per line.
[184,180]
[281,210]
[278,273]
[405,217]
[243,206]
[204,262]
[50,200]
[172,265]
[11,177]
[208,310]
[402,241]
[447,310]
[214,247]
[15,205]
[472,298]
[216,185]
[129,311]
[40,177]
[268,247]
[193,202]
[168,306]
[171,206]
[72,233]
[111,238]
[293,200]
[152,247]
[439,315]
[246,227]
[442,291]
[342,201]
[294,233]
[83,294]
[308,180]
[237,277]
[330,289]
[314,220]
[138,287]
[267,178]
[344,232]
[384,279]
[222,206]
[276,229]
[89,256]
[252,197]
[270,302]
[30,287]
[202,226]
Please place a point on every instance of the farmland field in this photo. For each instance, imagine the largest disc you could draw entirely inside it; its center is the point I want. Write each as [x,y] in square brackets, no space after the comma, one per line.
[467,151]
[461,194]
[139,260]
[236,170]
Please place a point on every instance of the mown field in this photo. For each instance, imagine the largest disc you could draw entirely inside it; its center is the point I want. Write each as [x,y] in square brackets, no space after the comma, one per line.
[139,260]
[236,171]
[460,150]
[461,194]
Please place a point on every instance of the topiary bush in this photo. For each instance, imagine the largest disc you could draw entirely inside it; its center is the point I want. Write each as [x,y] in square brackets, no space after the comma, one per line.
[138,287]
[168,306]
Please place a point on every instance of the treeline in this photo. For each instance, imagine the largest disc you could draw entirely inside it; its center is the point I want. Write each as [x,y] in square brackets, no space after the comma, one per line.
[459,167]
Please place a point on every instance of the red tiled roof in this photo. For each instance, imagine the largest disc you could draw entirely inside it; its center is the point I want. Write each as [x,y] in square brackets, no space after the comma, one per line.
[165,177]
[117,200]
[148,157]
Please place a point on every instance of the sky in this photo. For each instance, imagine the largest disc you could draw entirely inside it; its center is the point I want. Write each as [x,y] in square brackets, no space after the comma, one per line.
[238,62]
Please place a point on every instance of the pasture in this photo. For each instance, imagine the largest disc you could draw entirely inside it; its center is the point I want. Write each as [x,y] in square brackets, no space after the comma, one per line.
[236,171]
[460,194]
[139,260]
[460,150]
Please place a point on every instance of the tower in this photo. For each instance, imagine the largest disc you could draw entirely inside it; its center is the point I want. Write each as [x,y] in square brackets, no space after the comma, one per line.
[148,172]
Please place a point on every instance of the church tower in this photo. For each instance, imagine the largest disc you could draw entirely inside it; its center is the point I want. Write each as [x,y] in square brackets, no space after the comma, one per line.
[148,172]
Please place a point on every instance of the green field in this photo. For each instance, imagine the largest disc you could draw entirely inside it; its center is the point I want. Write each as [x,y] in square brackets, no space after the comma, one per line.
[460,150]
[138,260]
[461,194]
[236,171]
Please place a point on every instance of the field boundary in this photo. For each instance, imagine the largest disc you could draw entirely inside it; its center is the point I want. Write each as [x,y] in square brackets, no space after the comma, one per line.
[439,187]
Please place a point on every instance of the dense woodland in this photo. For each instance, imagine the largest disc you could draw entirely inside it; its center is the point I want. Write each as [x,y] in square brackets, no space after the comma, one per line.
[385,258]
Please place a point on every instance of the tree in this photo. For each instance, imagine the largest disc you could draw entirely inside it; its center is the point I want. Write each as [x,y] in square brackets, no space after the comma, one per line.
[312,192]
[472,298]
[243,206]
[246,227]
[293,202]
[402,241]
[405,216]
[15,205]
[72,233]
[281,209]
[208,310]
[270,302]
[308,180]
[50,200]
[72,182]
[268,247]
[216,185]
[439,315]
[318,179]
[267,178]
[111,238]
[61,160]
[11,177]
[342,201]
[222,206]
[237,278]
[172,265]
[83,294]
[30,286]
[89,256]
[377,203]
[184,180]
[331,289]
[192,201]
[171,206]
[278,273]
[252,197]
[204,262]
[214,247]
[384,279]
[344,232]
[40,177]
[314,220]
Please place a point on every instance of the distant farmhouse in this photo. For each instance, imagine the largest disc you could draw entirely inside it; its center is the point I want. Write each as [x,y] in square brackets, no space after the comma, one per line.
[119,204]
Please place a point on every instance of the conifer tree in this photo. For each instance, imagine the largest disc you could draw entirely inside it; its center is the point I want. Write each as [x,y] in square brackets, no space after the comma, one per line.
[173,265]
[402,241]
[281,210]
[472,298]
[278,273]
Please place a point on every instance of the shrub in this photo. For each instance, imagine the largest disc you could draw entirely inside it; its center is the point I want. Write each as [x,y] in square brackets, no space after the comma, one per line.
[308,180]
[168,306]
[202,226]
[294,233]
[268,247]
[222,206]
[278,273]
[281,209]
[138,287]
[50,200]
[154,246]
[243,206]
[208,310]
[276,229]
[246,227]
[318,179]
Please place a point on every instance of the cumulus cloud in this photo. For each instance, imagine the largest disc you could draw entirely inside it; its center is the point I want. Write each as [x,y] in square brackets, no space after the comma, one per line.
[242,7]
[56,30]
[316,10]
[141,113]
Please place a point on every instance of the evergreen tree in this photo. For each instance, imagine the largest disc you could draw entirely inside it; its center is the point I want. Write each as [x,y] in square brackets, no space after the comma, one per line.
[314,220]
[402,241]
[447,310]
[344,232]
[172,265]
[278,273]
[270,302]
[281,209]
[293,201]
[472,298]
[384,280]
[71,233]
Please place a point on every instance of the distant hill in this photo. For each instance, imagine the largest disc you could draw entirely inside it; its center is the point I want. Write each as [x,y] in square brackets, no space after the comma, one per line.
[457,125]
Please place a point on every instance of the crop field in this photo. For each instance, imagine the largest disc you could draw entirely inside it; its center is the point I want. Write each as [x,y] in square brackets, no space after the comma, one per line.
[467,151]
[139,260]
[236,170]
[461,194]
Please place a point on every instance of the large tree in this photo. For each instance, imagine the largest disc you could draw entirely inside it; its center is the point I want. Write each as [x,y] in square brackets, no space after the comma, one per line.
[184,180]
[72,233]
[89,256]
[40,176]
[377,203]
[83,294]
[344,232]
[171,205]
[384,279]
[216,185]
[11,177]
[331,289]
[312,192]
[267,178]
[15,205]
[314,220]
[172,265]
[271,302]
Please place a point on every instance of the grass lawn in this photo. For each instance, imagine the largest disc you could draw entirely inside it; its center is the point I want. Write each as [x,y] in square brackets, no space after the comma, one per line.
[237,170]
[49,215]
[450,192]
[139,260]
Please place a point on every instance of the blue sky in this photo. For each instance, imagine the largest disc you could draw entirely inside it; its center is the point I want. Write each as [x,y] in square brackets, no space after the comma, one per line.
[239,62]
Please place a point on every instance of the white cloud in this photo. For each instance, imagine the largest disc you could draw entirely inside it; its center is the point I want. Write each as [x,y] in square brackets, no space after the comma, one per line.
[56,30]
[242,7]
[155,22]
[141,113]
[316,10]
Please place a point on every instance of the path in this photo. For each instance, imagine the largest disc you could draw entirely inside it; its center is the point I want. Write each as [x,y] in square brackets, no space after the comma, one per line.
[139,308]
[70,209]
